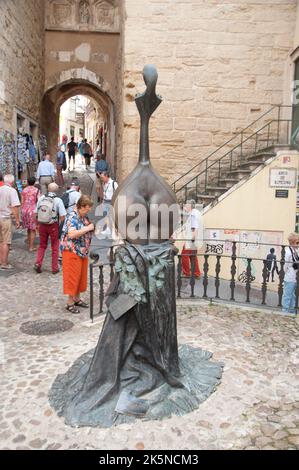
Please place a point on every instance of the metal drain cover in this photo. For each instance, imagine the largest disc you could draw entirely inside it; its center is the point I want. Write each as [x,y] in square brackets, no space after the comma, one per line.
[46,327]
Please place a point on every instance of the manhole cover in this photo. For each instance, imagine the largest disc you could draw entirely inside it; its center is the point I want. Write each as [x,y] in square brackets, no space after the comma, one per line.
[46,327]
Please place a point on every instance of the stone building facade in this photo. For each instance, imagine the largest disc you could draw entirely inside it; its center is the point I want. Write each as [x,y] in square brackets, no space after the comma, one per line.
[221,65]
[22,62]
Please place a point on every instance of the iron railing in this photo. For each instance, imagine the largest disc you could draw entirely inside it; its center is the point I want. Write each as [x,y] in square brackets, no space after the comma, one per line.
[273,128]
[240,279]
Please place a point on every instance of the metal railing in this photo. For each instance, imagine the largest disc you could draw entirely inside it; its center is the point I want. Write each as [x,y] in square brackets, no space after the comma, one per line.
[240,279]
[274,128]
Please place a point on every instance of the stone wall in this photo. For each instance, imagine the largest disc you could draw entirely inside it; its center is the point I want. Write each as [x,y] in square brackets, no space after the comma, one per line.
[221,64]
[21,60]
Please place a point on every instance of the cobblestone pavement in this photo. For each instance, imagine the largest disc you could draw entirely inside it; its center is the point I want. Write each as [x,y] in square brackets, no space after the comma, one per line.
[256,405]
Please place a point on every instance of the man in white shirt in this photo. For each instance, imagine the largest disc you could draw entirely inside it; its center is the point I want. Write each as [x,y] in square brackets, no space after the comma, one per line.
[290,276]
[109,187]
[9,205]
[192,234]
[45,174]
[74,195]
[51,229]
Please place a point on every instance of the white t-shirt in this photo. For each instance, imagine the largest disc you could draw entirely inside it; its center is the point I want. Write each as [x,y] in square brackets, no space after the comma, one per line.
[109,188]
[290,272]
[74,197]
[8,198]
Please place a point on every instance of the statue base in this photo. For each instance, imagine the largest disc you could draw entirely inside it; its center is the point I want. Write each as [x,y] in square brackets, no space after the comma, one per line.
[199,377]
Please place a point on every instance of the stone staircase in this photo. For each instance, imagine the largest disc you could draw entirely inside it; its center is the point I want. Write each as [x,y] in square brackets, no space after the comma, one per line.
[230,177]
[236,159]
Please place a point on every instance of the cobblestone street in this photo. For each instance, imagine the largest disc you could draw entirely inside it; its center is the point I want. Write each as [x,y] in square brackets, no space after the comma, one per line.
[256,405]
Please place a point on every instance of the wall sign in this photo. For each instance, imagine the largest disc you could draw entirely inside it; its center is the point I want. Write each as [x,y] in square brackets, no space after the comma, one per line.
[282,193]
[283,177]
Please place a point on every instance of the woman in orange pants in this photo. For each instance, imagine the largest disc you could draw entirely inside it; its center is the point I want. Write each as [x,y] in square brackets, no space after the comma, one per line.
[75,243]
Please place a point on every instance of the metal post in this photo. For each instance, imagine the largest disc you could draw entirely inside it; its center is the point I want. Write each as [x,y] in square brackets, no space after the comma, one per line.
[248,279]
[101,292]
[192,280]
[206,176]
[264,283]
[91,291]
[233,271]
[205,278]
[281,275]
[278,125]
[241,146]
[179,279]
[217,281]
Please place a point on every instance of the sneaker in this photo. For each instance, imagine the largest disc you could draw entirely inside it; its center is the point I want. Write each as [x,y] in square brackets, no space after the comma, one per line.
[4,267]
[37,268]
[56,272]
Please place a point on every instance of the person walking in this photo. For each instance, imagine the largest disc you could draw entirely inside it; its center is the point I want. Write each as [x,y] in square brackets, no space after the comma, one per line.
[72,148]
[271,264]
[30,196]
[290,277]
[109,187]
[75,243]
[87,152]
[59,166]
[73,194]
[101,165]
[50,212]
[9,205]
[45,173]
[80,148]
[189,251]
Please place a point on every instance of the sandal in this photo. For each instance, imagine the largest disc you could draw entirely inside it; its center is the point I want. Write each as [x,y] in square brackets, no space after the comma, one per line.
[72,308]
[82,304]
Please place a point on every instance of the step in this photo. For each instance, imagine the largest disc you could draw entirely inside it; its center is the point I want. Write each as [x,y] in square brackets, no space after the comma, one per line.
[205,198]
[238,173]
[261,156]
[250,165]
[216,189]
[228,182]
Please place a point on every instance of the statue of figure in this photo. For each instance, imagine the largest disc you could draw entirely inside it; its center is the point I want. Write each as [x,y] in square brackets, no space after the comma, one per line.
[84,13]
[135,369]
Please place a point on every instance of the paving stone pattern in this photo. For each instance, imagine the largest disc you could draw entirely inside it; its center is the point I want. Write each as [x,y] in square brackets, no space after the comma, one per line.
[256,406]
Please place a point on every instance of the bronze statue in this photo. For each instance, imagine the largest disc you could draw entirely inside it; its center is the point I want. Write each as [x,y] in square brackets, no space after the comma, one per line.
[135,369]
[144,185]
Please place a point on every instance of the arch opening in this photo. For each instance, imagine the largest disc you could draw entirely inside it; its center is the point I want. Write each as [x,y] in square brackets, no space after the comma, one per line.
[100,107]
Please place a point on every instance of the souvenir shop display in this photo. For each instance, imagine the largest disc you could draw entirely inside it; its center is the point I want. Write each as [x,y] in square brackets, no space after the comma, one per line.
[22,152]
[7,153]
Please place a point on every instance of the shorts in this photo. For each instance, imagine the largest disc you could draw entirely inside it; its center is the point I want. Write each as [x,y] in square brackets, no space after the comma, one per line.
[5,231]
[87,159]
[72,155]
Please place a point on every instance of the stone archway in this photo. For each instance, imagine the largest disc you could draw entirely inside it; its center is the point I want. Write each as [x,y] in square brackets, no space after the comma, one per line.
[62,86]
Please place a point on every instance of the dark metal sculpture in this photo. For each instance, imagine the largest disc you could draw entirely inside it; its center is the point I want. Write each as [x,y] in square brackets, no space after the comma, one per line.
[135,369]
[144,185]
